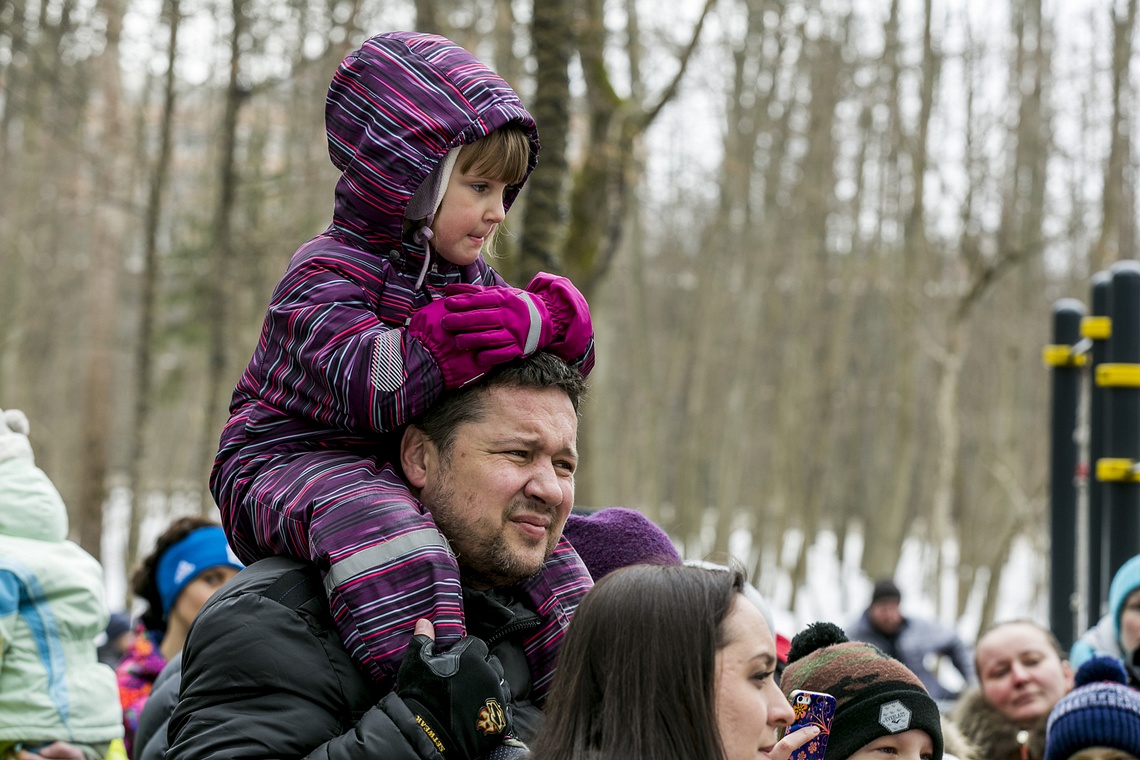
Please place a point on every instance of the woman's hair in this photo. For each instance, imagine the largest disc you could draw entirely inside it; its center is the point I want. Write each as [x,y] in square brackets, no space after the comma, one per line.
[504,156]
[636,674]
[144,579]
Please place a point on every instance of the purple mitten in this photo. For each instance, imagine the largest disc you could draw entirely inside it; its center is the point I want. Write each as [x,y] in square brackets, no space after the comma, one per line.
[473,328]
[499,324]
[572,329]
[459,367]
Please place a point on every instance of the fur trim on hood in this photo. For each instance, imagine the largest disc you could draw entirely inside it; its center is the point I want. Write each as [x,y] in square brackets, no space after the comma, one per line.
[994,735]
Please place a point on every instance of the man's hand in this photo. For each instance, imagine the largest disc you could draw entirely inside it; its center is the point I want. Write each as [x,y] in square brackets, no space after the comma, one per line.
[458,697]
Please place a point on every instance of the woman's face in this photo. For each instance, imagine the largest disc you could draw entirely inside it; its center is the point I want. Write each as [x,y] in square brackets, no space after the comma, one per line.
[1130,622]
[195,593]
[750,708]
[1101,753]
[1021,675]
[914,744]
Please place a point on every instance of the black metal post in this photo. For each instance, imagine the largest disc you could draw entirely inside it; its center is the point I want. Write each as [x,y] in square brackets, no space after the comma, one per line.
[1067,315]
[1120,377]
[1097,328]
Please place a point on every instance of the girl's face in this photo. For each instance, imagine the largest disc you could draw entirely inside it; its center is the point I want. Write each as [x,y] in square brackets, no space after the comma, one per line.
[471,209]
[1101,753]
[1021,674]
[1130,622]
[750,708]
[914,744]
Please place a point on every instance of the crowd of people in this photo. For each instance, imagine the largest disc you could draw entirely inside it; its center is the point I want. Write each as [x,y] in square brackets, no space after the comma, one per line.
[399,570]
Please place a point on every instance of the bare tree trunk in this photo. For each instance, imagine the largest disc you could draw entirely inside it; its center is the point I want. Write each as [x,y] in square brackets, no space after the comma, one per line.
[148,289]
[602,187]
[110,184]
[598,190]
[941,528]
[1114,214]
[431,17]
[886,528]
[218,381]
[553,44]
[508,65]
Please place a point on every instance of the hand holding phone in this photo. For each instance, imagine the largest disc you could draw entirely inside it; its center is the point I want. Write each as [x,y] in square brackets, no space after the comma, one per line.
[812,708]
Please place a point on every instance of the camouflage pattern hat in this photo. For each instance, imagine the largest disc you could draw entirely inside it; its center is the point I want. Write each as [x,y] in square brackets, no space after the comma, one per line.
[875,695]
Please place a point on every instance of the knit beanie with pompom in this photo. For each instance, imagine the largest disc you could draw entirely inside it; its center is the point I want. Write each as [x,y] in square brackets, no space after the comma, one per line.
[1100,712]
[875,695]
[14,435]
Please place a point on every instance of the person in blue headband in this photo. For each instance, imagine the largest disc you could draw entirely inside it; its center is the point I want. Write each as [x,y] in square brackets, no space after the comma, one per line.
[191,560]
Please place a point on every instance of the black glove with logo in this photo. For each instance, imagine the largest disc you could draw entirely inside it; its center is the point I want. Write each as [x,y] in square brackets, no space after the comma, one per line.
[458,697]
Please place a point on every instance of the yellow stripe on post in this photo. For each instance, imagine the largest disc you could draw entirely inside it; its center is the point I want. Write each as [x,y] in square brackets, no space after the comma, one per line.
[1118,375]
[1110,470]
[1062,356]
[1096,328]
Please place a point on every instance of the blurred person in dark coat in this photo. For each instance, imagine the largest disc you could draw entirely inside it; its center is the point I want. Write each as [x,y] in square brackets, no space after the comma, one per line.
[919,644]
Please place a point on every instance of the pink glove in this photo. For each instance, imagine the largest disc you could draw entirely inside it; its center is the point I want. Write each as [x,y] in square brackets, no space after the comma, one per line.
[473,328]
[571,328]
[499,323]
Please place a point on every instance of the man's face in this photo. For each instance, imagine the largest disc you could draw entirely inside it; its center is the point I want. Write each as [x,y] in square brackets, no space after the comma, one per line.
[885,615]
[502,494]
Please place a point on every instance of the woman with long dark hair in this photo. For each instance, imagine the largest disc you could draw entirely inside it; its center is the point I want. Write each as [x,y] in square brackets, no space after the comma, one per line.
[667,663]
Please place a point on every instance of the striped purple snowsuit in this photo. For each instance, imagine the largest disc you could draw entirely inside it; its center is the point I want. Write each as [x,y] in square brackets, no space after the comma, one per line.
[301,469]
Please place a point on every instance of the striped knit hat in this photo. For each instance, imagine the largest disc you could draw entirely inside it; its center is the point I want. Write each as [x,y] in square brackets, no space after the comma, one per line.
[1100,712]
[875,695]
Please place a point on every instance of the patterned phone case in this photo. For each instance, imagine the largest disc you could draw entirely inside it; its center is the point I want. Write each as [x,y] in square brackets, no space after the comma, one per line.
[812,708]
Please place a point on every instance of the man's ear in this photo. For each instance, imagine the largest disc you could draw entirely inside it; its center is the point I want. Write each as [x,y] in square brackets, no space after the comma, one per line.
[415,449]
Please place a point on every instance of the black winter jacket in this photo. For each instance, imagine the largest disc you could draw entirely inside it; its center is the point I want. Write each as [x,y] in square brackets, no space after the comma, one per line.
[265,675]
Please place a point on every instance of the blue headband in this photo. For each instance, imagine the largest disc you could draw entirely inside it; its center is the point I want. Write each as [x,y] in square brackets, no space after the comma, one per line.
[184,561]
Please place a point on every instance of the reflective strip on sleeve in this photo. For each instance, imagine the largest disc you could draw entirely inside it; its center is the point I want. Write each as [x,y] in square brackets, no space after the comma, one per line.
[383,554]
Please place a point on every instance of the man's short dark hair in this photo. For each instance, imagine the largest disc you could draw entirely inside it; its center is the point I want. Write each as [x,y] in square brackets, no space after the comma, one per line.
[540,370]
[885,589]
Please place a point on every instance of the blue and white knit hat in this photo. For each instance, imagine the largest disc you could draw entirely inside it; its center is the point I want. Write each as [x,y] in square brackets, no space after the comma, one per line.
[1100,712]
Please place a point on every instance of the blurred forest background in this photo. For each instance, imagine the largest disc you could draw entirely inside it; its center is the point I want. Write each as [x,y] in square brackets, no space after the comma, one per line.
[821,240]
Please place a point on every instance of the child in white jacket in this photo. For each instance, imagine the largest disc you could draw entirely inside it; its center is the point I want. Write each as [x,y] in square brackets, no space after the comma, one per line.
[52,685]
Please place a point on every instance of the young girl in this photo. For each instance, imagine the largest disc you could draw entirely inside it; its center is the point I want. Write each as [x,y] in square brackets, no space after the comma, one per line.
[374,318]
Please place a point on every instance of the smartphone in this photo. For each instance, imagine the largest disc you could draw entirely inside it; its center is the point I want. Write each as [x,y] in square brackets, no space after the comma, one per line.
[812,708]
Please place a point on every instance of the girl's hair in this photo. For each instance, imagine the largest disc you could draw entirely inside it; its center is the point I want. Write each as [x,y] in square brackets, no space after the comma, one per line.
[504,156]
[144,580]
[636,674]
